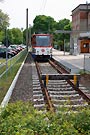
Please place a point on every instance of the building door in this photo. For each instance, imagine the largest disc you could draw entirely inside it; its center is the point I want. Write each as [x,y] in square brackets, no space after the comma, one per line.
[85,46]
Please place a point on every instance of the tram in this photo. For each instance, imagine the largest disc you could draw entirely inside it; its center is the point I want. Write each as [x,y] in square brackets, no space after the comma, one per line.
[41,46]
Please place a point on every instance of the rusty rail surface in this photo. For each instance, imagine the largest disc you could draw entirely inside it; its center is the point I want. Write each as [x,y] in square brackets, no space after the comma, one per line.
[80,92]
[62,70]
[47,98]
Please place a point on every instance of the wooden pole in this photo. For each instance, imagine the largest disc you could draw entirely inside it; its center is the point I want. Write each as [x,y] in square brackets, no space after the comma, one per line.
[27,28]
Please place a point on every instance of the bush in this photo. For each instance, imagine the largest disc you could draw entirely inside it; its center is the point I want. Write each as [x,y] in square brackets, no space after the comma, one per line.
[22,119]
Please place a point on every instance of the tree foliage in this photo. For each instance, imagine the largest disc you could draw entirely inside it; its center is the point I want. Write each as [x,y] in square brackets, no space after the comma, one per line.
[15,35]
[63,24]
[4,20]
[43,24]
[46,24]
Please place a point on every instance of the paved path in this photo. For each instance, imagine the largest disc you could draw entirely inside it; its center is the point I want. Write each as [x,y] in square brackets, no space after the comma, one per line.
[74,62]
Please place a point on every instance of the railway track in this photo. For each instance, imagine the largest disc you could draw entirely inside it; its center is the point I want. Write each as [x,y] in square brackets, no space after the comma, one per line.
[57,93]
[50,95]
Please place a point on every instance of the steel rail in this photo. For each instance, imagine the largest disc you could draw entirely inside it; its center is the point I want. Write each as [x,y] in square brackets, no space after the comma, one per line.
[61,70]
[47,98]
[79,91]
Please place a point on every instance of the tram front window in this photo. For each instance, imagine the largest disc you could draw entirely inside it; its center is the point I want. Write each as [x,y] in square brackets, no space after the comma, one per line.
[42,41]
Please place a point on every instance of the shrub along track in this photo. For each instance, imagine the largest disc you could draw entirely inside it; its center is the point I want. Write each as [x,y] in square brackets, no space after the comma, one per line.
[59,92]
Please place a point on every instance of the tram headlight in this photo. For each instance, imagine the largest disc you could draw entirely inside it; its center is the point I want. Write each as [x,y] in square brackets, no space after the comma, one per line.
[37,52]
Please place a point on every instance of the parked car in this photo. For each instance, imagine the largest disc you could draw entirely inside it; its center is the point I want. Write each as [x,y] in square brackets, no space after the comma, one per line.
[16,47]
[14,51]
[3,52]
[22,46]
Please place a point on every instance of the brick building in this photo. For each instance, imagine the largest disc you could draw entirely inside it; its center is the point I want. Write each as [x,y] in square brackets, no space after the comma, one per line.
[81,28]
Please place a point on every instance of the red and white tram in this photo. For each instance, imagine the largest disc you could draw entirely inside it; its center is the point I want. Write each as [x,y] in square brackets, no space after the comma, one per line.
[41,46]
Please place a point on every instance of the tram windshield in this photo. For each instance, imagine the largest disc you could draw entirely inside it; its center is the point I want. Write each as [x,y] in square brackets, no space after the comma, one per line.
[42,40]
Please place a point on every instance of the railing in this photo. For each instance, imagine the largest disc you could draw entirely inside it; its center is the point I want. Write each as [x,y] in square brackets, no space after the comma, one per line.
[8,64]
[9,70]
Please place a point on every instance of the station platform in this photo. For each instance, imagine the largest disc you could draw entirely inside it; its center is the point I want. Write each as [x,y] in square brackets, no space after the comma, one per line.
[75,63]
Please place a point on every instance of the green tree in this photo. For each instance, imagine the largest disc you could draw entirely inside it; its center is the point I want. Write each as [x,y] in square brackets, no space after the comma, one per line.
[1,36]
[11,36]
[43,24]
[63,24]
[4,20]
[15,35]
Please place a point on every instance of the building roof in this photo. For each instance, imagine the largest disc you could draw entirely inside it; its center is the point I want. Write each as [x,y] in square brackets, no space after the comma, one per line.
[81,7]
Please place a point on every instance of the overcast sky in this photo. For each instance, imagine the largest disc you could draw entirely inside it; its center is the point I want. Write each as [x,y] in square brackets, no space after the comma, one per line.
[58,9]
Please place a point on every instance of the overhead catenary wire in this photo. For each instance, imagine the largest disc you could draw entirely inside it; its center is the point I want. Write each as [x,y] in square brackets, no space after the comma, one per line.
[43,5]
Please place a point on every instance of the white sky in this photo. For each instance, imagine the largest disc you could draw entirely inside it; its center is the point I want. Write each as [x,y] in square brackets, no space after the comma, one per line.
[58,9]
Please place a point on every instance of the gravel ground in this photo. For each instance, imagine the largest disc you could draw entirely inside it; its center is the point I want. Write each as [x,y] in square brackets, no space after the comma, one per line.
[23,88]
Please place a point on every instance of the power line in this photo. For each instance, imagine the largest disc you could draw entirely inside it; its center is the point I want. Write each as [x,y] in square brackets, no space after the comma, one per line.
[43,6]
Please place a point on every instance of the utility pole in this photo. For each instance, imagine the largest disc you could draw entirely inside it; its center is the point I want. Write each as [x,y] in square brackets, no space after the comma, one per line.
[64,46]
[87,15]
[30,35]
[6,42]
[27,28]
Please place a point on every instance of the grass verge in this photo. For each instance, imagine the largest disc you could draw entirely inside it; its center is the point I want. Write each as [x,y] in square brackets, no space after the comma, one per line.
[7,79]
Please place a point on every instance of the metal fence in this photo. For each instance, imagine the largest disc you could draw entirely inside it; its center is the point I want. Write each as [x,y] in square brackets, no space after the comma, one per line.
[8,64]
[86,62]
